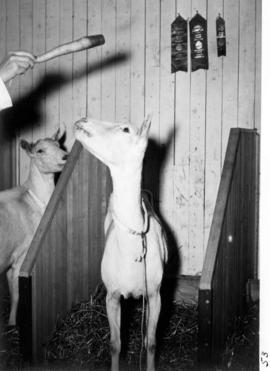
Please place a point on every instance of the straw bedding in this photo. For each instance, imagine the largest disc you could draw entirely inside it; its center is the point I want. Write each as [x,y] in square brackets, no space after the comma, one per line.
[81,339]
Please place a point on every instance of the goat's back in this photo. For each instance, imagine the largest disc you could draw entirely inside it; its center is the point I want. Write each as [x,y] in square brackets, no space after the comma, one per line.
[19,218]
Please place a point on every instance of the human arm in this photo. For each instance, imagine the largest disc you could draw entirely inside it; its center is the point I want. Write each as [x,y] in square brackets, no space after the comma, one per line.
[16,63]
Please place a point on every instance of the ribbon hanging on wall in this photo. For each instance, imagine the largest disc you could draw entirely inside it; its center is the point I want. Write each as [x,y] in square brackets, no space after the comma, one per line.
[198,43]
[179,57]
[221,36]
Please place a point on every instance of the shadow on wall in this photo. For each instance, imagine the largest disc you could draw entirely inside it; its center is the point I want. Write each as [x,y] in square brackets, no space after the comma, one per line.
[26,112]
[154,162]
[155,158]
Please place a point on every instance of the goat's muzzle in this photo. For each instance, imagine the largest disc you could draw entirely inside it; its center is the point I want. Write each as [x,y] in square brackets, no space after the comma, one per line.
[79,126]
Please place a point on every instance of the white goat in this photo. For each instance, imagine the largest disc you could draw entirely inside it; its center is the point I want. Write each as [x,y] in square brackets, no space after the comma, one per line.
[22,207]
[135,247]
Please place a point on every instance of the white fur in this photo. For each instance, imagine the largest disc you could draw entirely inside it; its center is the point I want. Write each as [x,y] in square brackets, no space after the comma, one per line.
[22,207]
[122,149]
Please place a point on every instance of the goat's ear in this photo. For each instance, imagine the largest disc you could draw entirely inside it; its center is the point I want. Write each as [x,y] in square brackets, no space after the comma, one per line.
[145,127]
[60,135]
[26,146]
[56,136]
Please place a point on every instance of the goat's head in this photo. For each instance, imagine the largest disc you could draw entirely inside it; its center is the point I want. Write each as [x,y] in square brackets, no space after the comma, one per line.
[46,153]
[115,144]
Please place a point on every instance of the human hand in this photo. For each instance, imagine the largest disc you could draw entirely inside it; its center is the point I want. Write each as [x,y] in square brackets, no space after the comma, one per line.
[16,63]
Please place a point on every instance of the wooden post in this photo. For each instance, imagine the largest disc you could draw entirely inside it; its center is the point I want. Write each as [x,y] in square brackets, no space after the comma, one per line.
[25,318]
[205,326]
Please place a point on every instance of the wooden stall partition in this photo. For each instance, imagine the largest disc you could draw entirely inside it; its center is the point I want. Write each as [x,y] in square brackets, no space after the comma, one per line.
[62,266]
[231,256]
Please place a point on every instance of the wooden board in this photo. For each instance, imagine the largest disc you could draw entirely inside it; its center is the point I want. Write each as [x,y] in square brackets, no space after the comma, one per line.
[152,64]
[5,148]
[166,115]
[137,62]
[52,67]
[13,43]
[66,93]
[182,148]
[231,256]
[213,160]
[94,61]
[26,82]
[230,72]
[247,39]
[108,57]
[39,44]
[198,89]
[122,72]
[258,61]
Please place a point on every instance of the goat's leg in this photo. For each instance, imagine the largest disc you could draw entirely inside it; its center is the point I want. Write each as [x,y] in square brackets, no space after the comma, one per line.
[113,307]
[13,284]
[153,310]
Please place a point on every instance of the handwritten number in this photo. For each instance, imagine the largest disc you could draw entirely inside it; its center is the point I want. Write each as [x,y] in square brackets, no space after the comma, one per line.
[264,362]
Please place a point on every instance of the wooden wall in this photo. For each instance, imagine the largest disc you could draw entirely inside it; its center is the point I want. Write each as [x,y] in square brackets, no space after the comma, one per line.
[129,76]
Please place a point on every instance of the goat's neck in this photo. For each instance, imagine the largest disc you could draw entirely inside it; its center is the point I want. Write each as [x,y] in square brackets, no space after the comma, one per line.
[41,184]
[126,197]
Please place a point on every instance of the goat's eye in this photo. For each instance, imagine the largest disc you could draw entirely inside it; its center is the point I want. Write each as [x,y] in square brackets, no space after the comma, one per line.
[40,151]
[126,130]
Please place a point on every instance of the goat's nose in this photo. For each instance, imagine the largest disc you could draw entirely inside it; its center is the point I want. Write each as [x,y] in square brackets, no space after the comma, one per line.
[78,123]
[65,157]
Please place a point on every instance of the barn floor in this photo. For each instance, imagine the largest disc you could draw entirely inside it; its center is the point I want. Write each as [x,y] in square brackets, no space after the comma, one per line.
[75,344]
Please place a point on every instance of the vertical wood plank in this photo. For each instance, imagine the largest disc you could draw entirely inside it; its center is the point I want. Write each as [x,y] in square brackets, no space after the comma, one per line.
[258,61]
[52,271]
[80,236]
[26,43]
[151,174]
[94,108]
[5,155]
[230,71]
[13,38]
[94,61]
[122,78]
[76,251]
[13,43]
[61,255]
[108,106]
[108,56]
[79,61]
[46,285]
[70,244]
[36,302]
[3,26]
[66,99]
[39,41]
[108,111]
[84,222]
[197,159]
[246,64]
[93,221]
[137,41]
[167,79]
[213,119]
[52,68]
[26,81]
[182,144]
[166,109]
[152,64]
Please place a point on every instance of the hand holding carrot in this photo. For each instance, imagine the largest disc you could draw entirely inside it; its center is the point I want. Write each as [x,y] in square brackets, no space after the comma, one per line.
[16,63]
